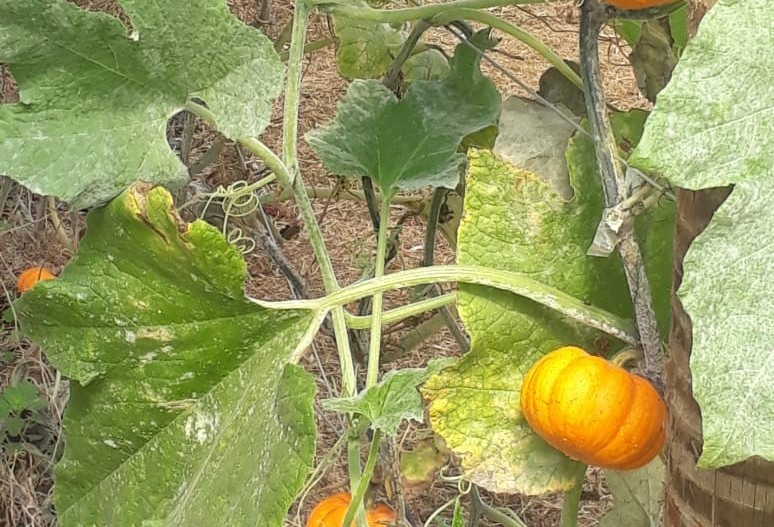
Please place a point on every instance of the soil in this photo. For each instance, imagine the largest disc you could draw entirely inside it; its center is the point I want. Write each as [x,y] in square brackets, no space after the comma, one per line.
[39,231]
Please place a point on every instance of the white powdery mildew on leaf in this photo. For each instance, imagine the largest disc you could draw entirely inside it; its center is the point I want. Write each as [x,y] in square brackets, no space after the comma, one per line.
[182,400]
[95,104]
[201,426]
[515,221]
[712,127]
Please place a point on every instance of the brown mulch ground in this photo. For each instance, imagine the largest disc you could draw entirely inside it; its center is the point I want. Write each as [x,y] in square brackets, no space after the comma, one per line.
[40,231]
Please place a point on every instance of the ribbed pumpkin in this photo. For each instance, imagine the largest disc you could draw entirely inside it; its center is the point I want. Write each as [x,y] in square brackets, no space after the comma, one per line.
[330,512]
[633,5]
[30,277]
[594,411]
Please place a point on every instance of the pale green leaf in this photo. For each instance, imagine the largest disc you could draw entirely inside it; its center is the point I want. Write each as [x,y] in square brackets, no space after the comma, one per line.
[427,65]
[515,221]
[94,100]
[364,47]
[184,406]
[393,400]
[712,126]
[638,496]
[417,466]
[409,143]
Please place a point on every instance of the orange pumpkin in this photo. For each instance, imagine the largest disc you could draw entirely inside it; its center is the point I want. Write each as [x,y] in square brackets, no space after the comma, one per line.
[633,5]
[330,512]
[594,411]
[32,276]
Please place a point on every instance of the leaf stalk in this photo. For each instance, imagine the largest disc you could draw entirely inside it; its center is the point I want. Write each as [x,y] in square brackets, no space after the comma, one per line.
[408,14]
[362,485]
[517,283]
[403,312]
[375,343]
[513,30]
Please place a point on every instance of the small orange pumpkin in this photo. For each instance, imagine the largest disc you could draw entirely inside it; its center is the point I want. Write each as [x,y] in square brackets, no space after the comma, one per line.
[633,5]
[330,512]
[30,277]
[594,411]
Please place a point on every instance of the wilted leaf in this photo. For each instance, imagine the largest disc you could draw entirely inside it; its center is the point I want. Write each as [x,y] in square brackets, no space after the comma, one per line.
[712,127]
[556,88]
[393,400]
[409,143]
[184,407]
[417,466]
[534,138]
[94,101]
[653,57]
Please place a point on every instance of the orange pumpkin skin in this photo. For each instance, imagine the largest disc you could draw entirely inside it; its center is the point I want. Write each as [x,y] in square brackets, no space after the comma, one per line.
[594,411]
[32,276]
[633,5]
[330,512]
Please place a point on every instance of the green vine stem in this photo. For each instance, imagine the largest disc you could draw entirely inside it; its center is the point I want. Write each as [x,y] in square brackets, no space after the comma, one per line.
[317,45]
[362,485]
[399,16]
[414,200]
[349,386]
[403,312]
[570,505]
[511,29]
[375,344]
[353,465]
[517,283]
[293,88]
[493,514]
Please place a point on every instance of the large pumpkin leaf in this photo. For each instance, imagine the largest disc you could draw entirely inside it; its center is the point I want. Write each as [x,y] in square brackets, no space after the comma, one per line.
[94,101]
[516,221]
[712,126]
[184,407]
[409,143]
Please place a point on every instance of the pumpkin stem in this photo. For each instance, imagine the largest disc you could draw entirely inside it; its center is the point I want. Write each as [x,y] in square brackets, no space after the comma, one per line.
[626,355]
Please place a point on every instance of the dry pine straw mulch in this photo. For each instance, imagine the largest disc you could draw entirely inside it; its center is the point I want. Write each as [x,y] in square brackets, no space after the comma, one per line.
[34,239]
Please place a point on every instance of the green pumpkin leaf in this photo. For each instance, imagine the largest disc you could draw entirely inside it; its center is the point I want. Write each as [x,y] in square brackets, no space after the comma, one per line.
[409,143]
[393,400]
[427,65]
[365,48]
[638,496]
[94,100]
[516,221]
[184,406]
[715,136]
